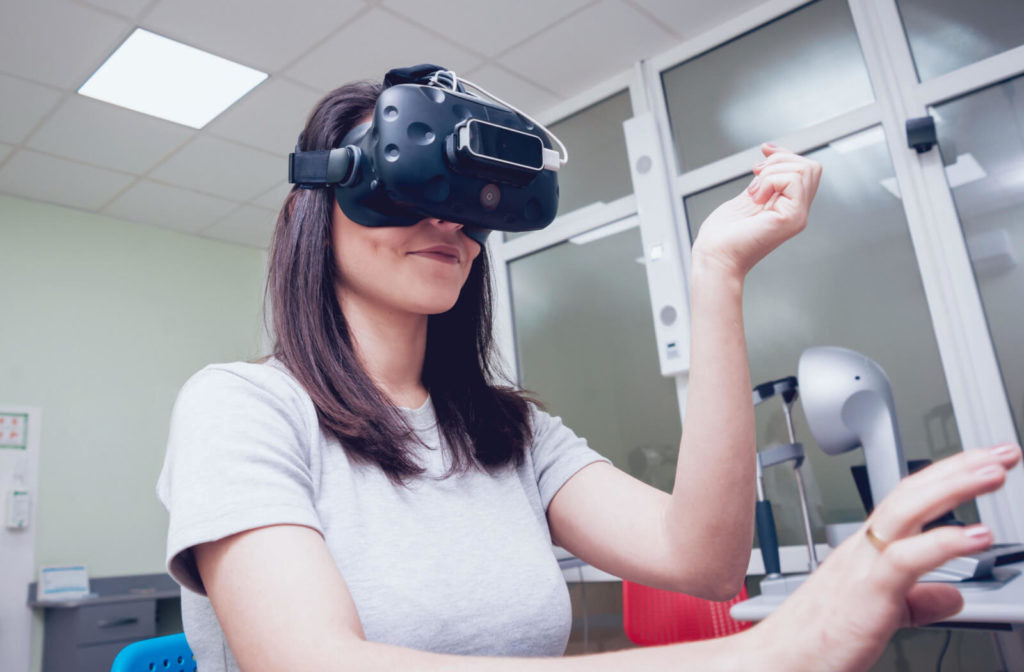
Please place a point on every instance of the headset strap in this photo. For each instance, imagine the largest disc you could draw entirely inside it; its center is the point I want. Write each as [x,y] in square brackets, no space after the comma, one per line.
[321,167]
[414,74]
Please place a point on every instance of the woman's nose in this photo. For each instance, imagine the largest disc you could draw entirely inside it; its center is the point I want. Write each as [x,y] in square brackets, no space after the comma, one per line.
[443,224]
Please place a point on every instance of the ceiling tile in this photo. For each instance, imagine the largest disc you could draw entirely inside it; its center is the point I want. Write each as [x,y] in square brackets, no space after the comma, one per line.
[57,42]
[25,104]
[94,132]
[370,46]
[512,88]
[486,27]
[222,168]
[264,34]
[689,19]
[127,8]
[600,41]
[45,178]
[168,207]
[269,118]
[274,198]
[247,225]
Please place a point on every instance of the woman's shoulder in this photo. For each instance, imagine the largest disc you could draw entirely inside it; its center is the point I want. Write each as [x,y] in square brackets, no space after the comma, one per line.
[266,380]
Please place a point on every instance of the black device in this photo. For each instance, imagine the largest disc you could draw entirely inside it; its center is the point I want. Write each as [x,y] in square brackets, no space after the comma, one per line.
[921,134]
[433,149]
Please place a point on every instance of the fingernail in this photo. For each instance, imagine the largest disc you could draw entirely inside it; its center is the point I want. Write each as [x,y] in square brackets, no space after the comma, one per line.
[1006,449]
[977,531]
[753,185]
[770,145]
[989,471]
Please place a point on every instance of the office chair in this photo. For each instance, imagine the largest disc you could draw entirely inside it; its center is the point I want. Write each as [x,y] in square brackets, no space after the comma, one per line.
[651,616]
[160,654]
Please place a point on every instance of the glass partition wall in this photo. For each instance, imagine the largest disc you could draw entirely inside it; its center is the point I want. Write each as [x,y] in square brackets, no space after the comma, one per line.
[981,137]
[909,258]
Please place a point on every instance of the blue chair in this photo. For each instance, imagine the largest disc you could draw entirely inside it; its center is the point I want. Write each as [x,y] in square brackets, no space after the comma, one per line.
[160,654]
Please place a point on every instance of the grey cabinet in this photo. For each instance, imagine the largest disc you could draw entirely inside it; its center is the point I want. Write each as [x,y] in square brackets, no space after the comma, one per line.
[85,635]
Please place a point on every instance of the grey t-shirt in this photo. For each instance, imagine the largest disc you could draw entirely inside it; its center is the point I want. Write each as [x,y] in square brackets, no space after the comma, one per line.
[461,565]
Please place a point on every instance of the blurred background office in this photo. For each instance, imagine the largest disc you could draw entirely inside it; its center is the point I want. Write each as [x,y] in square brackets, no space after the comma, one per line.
[133,248]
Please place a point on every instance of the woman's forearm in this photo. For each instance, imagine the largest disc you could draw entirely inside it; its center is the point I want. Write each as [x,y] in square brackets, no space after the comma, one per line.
[737,652]
[712,503]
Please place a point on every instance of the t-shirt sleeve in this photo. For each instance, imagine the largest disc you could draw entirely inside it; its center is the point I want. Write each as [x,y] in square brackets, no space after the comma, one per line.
[557,454]
[238,458]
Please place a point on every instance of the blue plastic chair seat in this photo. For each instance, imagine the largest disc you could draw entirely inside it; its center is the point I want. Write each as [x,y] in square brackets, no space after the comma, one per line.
[160,654]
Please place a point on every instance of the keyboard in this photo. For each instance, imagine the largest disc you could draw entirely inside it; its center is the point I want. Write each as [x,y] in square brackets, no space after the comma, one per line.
[978,565]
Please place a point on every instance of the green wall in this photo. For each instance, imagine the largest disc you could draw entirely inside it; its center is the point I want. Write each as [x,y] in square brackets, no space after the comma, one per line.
[102,323]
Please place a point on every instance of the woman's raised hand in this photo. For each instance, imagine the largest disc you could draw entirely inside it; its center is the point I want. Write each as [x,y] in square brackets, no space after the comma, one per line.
[772,209]
[843,616]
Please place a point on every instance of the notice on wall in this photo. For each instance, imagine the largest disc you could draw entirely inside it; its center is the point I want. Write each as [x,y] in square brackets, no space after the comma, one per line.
[20,434]
[13,430]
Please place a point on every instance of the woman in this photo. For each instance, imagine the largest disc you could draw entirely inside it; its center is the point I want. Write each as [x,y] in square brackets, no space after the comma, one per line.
[371,499]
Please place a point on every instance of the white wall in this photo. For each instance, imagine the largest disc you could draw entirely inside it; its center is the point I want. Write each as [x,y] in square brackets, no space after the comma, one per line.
[102,322]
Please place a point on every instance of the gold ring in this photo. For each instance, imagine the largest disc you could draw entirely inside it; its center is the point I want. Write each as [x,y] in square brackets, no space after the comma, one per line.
[875,540]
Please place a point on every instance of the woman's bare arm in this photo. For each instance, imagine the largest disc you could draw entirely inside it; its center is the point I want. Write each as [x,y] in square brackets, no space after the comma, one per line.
[284,606]
[698,540]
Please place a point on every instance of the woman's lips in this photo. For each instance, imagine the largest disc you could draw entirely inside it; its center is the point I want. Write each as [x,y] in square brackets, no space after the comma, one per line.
[443,253]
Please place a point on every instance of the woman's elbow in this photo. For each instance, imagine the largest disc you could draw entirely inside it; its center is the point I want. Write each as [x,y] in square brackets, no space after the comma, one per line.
[727,588]
[718,584]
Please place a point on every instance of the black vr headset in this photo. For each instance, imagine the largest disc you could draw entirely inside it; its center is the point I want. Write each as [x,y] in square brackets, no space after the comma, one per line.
[435,150]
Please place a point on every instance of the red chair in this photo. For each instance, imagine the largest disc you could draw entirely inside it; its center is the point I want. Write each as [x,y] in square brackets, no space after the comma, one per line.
[651,616]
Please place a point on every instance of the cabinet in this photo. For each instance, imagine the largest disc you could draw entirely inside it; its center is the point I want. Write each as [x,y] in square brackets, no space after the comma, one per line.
[86,634]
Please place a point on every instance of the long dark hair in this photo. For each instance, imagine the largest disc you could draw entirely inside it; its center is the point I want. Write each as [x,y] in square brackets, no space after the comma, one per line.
[484,422]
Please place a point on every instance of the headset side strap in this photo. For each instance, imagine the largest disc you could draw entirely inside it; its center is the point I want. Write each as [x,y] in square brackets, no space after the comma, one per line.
[321,167]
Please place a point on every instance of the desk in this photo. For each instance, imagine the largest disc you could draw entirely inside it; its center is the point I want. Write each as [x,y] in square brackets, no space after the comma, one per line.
[997,602]
[86,634]
[994,604]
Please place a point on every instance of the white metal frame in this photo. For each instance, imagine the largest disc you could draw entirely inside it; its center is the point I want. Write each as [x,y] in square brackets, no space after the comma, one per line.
[972,372]
[968,358]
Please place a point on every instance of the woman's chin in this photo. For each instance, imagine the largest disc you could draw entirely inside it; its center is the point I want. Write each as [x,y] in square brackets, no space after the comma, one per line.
[433,305]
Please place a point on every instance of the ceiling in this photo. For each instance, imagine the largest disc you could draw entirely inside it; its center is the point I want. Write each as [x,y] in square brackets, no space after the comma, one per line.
[227,180]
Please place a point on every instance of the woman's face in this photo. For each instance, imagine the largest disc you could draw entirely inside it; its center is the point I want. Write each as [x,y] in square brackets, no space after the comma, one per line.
[412,269]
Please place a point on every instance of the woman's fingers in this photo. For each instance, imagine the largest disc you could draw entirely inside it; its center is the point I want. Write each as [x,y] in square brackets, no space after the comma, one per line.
[794,171]
[904,561]
[932,492]
[1006,454]
[931,602]
[787,184]
[876,585]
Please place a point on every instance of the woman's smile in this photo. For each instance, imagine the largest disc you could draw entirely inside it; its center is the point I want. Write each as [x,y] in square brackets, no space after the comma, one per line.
[445,254]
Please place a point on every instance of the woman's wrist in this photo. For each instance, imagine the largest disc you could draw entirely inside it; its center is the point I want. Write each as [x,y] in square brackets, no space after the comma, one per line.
[708,272]
[751,649]
[763,648]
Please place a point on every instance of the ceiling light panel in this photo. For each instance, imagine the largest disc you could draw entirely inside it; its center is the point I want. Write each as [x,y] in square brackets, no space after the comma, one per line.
[166,79]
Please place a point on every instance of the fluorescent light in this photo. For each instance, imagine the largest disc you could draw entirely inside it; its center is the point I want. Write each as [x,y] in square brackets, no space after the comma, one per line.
[606,230]
[991,252]
[891,186]
[964,170]
[163,78]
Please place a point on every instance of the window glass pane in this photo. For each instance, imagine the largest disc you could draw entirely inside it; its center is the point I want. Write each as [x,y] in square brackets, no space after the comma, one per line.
[948,34]
[850,279]
[598,169]
[801,69]
[585,341]
[982,141]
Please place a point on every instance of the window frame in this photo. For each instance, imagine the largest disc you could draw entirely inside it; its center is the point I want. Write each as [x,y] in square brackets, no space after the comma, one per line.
[966,350]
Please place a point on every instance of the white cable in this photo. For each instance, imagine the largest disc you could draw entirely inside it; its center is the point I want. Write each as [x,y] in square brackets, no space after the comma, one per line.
[448,79]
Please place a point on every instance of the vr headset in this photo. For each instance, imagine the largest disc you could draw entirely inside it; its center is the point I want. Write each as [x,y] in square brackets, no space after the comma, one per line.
[434,149]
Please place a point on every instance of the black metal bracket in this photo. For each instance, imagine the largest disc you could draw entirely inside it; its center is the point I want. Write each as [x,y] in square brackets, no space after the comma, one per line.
[921,134]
